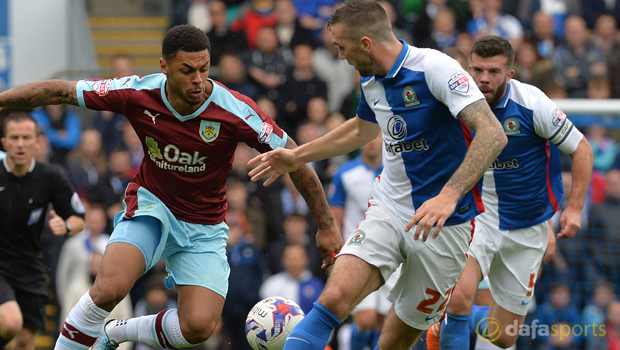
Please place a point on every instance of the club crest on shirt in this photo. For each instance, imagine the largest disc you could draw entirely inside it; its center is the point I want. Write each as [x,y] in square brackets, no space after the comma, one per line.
[459,82]
[209,130]
[511,126]
[410,97]
[358,238]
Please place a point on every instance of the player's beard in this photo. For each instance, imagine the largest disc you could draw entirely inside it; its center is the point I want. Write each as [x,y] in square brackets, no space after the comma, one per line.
[498,94]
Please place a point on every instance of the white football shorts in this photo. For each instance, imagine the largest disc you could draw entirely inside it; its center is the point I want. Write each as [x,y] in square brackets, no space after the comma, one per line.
[429,269]
[511,259]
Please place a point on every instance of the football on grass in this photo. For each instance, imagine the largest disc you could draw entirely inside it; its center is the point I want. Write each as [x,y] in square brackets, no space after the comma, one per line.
[270,322]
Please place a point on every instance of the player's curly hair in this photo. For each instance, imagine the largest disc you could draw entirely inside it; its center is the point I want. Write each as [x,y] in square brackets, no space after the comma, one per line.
[186,38]
[492,45]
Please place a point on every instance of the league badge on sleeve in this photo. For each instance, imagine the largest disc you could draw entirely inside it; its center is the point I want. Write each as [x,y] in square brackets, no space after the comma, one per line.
[102,87]
[459,82]
[265,133]
[558,117]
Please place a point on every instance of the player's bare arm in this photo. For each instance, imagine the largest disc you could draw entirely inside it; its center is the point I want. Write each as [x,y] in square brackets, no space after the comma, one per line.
[485,147]
[551,244]
[328,239]
[38,94]
[581,171]
[346,138]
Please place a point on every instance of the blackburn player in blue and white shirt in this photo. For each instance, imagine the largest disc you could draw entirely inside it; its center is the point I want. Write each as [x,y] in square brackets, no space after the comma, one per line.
[424,104]
[521,191]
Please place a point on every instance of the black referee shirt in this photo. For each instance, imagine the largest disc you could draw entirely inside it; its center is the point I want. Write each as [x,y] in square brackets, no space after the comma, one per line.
[24,204]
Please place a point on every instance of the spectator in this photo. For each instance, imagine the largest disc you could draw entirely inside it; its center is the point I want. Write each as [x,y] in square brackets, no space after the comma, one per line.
[232,73]
[603,231]
[157,298]
[258,15]
[199,15]
[248,269]
[494,22]
[110,125]
[605,35]
[336,73]
[595,313]
[444,33]
[296,230]
[313,14]
[612,326]
[604,147]
[577,62]
[87,163]
[556,10]
[222,38]
[62,127]
[318,112]
[464,43]
[296,282]
[592,9]
[110,190]
[290,32]
[301,85]
[556,311]
[132,144]
[238,196]
[544,35]
[393,17]
[460,57]
[269,62]
[122,65]
[530,67]
[76,252]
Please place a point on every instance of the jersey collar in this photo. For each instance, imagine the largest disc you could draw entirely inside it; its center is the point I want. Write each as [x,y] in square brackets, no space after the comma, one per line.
[404,52]
[180,117]
[8,169]
[504,101]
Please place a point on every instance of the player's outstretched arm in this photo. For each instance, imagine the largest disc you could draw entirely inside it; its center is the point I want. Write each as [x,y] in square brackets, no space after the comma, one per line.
[346,138]
[328,238]
[38,94]
[581,172]
[485,147]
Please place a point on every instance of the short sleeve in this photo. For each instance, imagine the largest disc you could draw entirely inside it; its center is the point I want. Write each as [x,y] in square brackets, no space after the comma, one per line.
[449,83]
[552,124]
[363,110]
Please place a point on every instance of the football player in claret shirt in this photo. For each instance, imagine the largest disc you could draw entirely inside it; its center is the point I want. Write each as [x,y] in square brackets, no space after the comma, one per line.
[189,126]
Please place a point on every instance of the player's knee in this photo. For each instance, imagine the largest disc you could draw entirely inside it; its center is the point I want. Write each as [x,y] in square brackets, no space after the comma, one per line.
[10,326]
[338,300]
[107,296]
[461,302]
[197,330]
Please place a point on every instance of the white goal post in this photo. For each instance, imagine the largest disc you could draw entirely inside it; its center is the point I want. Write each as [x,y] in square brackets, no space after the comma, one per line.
[586,106]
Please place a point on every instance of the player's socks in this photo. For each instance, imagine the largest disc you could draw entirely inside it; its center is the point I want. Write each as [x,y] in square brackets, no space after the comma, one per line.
[82,325]
[455,332]
[157,331]
[314,330]
[375,339]
[478,320]
[359,339]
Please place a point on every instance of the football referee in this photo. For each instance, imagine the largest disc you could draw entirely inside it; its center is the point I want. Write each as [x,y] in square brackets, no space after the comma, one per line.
[26,190]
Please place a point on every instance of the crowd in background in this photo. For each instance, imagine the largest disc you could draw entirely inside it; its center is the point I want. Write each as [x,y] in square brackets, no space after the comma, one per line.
[279,53]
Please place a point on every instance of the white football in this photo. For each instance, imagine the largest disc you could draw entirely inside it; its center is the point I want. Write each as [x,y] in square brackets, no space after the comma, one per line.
[270,322]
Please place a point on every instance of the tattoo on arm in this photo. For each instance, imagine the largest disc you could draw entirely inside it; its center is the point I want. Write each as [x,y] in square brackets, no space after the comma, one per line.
[48,92]
[307,183]
[485,147]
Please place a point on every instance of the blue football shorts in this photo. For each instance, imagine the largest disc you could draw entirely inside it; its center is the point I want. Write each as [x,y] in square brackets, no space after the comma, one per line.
[195,254]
